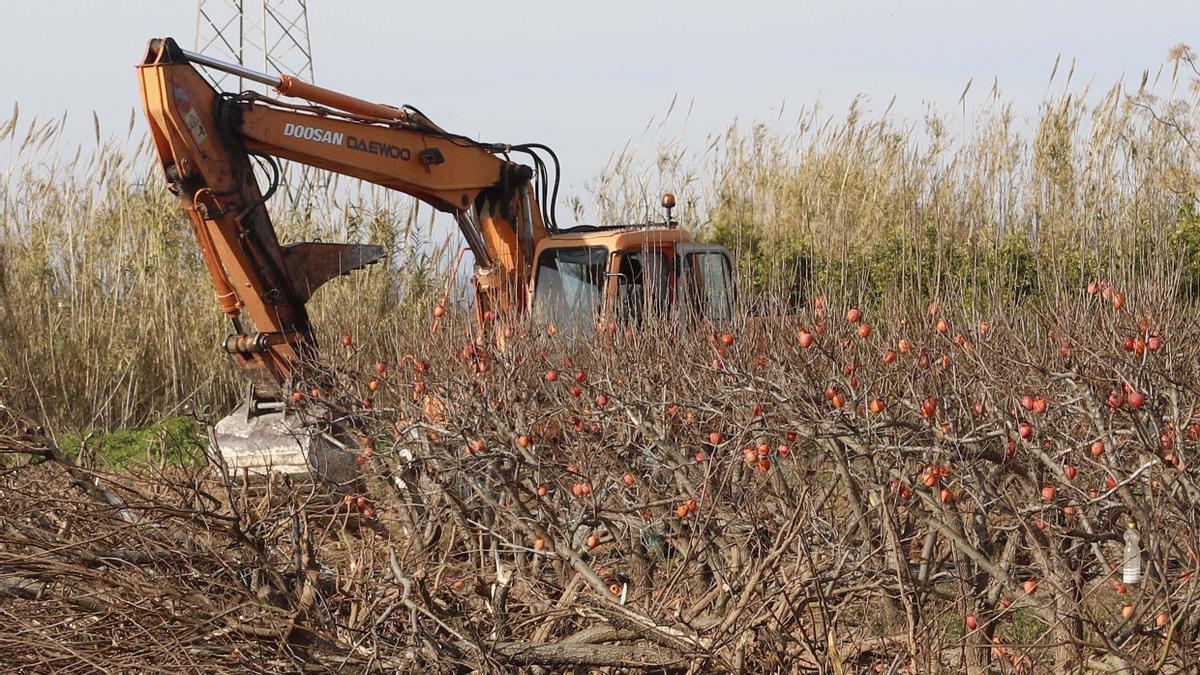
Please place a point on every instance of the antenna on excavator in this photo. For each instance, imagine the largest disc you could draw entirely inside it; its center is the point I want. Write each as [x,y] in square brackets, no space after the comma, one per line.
[267,35]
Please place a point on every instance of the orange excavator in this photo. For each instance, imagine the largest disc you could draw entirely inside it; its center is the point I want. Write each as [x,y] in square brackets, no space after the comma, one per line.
[577,278]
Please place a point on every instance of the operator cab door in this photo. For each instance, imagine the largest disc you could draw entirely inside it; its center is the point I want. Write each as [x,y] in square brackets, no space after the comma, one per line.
[704,282]
[643,290]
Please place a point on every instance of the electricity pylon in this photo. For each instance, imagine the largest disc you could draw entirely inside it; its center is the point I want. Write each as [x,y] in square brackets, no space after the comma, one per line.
[267,35]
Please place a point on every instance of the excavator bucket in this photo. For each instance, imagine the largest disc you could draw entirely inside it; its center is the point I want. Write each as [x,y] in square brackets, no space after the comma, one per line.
[260,437]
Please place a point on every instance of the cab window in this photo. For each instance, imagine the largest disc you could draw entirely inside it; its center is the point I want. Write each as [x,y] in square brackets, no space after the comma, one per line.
[570,288]
[706,281]
[715,283]
[644,285]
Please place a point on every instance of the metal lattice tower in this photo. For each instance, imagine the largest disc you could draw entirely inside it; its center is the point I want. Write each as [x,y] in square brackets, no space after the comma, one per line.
[267,35]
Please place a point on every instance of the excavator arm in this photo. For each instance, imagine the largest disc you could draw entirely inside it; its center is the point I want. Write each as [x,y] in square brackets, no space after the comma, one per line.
[206,141]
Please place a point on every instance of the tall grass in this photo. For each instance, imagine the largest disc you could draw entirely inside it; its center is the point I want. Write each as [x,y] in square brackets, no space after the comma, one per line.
[900,210]
[106,318]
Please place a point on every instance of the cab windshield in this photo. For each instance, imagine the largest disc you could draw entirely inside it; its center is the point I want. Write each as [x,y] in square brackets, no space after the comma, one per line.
[569,290]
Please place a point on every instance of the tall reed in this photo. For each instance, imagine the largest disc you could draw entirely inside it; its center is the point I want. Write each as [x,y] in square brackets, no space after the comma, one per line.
[106,316]
[107,319]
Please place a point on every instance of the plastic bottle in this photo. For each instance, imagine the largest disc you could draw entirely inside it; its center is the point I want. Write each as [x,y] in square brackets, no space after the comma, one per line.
[1131,571]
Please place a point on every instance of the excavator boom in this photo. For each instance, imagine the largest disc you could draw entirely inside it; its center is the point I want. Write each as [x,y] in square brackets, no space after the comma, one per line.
[206,140]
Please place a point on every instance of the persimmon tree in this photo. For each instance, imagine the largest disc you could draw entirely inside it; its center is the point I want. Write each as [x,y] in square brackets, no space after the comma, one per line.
[843,489]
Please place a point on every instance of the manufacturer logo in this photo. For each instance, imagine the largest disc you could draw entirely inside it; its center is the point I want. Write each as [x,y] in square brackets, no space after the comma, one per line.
[313,134]
[379,148]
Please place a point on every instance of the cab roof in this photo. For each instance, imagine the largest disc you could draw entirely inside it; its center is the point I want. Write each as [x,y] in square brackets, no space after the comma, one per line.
[616,237]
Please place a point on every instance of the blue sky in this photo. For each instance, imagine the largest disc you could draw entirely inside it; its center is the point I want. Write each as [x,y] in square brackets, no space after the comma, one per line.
[586,77]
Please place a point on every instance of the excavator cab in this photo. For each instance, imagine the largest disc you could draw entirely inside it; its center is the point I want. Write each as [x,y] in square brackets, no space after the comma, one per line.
[590,276]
